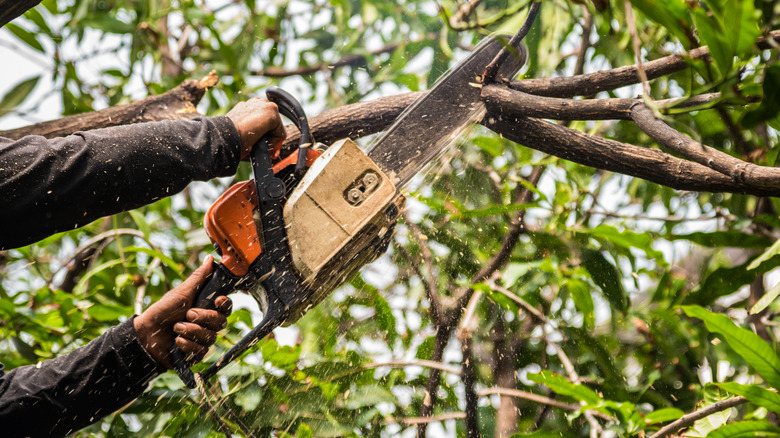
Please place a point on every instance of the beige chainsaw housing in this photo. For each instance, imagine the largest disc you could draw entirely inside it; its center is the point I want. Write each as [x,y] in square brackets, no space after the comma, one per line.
[338,218]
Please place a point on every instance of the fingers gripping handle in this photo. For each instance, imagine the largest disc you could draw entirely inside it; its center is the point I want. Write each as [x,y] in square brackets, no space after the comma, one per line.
[221,282]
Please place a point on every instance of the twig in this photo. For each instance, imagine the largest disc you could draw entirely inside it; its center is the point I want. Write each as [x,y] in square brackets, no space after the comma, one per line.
[418,363]
[138,306]
[530,396]
[587,26]
[426,410]
[410,421]
[492,69]
[525,304]
[432,283]
[458,21]
[640,70]
[689,419]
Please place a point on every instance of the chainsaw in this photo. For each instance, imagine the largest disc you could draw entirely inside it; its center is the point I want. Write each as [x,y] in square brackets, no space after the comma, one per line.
[306,223]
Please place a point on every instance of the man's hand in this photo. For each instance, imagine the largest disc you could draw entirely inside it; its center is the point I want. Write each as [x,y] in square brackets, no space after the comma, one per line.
[255,118]
[196,328]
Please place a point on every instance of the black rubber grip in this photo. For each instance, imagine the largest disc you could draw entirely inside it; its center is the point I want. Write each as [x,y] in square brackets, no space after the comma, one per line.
[221,282]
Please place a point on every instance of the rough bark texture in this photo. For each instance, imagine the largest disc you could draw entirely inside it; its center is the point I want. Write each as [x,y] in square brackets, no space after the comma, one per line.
[10,9]
[178,103]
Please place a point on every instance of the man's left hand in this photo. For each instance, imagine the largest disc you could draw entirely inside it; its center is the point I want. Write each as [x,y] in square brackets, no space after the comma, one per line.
[159,325]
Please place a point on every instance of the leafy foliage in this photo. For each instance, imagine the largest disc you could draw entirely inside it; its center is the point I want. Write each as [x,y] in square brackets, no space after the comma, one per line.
[606,261]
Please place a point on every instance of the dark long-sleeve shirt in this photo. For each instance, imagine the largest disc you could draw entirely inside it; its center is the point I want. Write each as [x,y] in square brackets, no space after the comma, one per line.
[62,395]
[48,186]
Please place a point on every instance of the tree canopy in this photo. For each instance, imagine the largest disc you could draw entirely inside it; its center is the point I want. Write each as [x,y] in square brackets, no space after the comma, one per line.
[597,257]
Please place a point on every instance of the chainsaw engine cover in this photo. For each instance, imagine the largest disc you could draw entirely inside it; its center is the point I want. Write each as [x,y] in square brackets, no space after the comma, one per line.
[338,218]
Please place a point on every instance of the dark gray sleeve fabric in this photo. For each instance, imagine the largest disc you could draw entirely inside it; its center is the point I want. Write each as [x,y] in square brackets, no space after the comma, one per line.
[60,396]
[53,185]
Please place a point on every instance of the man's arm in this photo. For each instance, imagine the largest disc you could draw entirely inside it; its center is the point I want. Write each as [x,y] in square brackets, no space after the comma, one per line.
[48,186]
[62,395]
[53,185]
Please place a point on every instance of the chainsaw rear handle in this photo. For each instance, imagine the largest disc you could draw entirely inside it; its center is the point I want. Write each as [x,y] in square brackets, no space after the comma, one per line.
[220,282]
[292,109]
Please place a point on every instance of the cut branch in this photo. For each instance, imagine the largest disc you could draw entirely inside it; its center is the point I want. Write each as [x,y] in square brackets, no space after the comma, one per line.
[178,103]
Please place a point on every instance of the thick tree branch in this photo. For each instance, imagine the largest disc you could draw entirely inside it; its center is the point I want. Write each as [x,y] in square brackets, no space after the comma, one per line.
[649,164]
[178,103]
[557,108]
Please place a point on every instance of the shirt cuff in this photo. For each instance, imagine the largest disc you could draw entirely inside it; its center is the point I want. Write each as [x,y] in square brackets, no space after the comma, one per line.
[140,365]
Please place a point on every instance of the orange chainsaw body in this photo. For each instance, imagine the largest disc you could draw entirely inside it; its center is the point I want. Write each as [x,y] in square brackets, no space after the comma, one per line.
[230,222]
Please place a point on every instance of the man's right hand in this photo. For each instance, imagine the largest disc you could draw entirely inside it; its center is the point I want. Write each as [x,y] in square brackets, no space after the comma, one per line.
[255,118]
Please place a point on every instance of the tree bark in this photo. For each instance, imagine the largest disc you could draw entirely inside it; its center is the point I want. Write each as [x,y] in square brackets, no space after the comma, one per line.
[10,9]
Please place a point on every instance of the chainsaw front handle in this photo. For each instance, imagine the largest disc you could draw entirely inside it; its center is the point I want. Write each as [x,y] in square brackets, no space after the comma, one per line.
[292,109]
[219,283]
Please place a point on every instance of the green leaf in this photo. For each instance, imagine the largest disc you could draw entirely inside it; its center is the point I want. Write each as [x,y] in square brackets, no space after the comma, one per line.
[627,239]
[742,21]
[768,254]
[663,415]
[714,36]
[24,349]
[606,277]
[384,314]
[94,271]
[104,313]
[368,395]
[770,101]
[718,239]
[561,385]
[108,24]
[580,294]
[756,394]
[491,145]
[746,429]
[26,36]
[169,262]
[671,14]
[756,352]
[766,300]
[140,222]
[18,94]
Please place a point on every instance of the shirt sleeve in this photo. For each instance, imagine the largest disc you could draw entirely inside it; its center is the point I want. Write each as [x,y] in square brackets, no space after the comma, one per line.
[60,396]
[53,185]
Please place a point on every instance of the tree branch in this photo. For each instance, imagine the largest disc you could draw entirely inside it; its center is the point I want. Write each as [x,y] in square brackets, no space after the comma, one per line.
[178,103]
[649,164]
[691,418]
[740,171]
